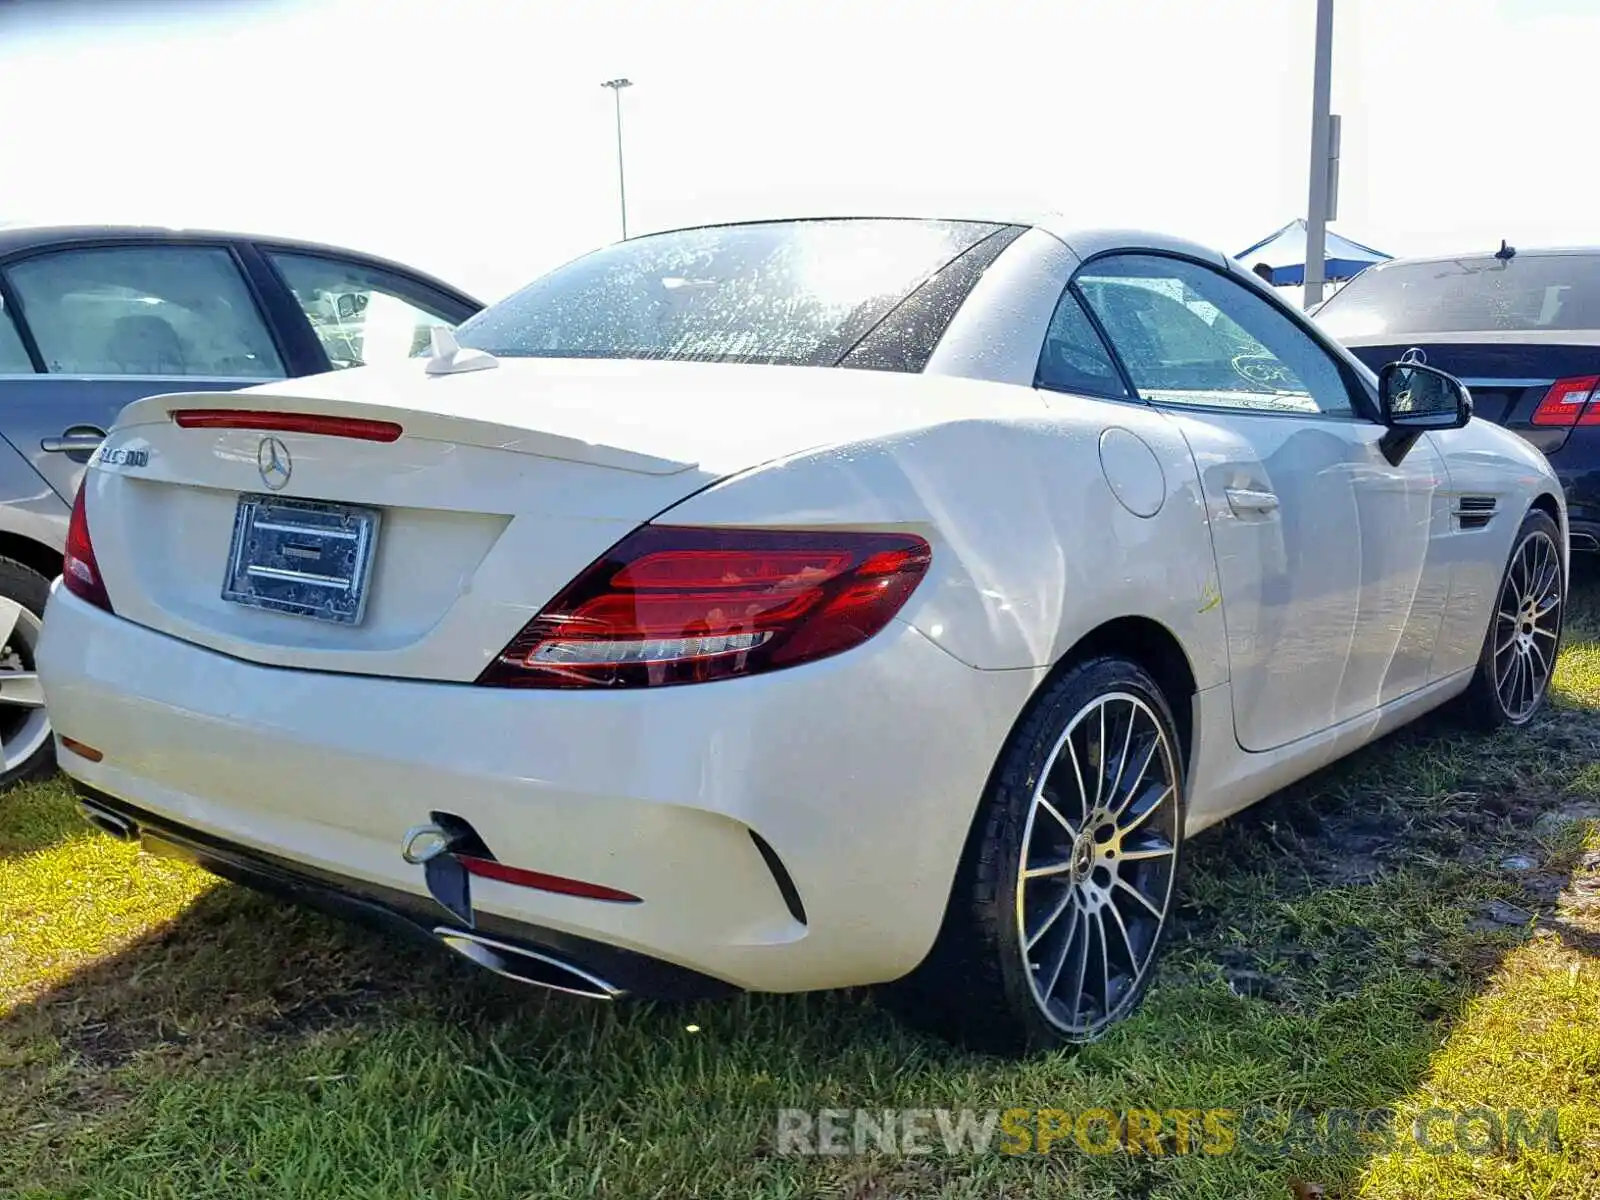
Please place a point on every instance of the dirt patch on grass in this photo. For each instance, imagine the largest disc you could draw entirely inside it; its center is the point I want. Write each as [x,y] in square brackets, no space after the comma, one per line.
[1478,845]
[1432,792]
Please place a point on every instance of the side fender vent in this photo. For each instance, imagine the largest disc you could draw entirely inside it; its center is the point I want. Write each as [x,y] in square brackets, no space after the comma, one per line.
[1474,512]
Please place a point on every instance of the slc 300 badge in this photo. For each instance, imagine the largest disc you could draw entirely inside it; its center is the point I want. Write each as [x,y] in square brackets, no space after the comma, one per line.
[124,458]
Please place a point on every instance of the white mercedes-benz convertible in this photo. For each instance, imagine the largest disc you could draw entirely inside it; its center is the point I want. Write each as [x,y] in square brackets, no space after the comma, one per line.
[795,605]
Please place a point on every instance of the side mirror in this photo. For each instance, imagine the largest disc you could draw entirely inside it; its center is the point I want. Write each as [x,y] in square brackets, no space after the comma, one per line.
[348,306]
[1415,398]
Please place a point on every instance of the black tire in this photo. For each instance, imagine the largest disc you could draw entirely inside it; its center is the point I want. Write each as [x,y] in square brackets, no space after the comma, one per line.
[30,590]
[977,985]
[1534,573]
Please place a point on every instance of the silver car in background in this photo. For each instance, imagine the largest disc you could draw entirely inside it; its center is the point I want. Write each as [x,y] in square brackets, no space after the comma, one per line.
[94,317]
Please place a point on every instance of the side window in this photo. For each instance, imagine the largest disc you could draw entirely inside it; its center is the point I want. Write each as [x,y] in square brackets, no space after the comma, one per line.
[1189,335]
[13,355]
[361,315]
[1073,358]
[144,310]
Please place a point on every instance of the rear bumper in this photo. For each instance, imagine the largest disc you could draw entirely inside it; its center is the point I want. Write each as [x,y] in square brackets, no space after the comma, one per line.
[397,911]
[859,773]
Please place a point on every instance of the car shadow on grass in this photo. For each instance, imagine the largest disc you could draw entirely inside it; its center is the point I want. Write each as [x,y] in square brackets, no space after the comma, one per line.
[34,816]
[1331,941]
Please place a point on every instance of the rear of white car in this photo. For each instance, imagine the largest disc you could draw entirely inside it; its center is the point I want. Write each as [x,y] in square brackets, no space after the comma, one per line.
[306,632]
[628,675]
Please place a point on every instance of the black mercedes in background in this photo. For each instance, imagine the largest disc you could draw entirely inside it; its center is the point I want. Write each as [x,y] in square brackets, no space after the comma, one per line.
[1520,327]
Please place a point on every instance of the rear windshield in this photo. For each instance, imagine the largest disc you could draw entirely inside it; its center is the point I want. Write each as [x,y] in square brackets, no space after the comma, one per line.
[799,293]
[1470,295]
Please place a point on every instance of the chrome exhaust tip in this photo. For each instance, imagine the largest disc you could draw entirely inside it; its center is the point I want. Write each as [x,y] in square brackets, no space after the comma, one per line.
[108,822]
[526,966]
[1583,541]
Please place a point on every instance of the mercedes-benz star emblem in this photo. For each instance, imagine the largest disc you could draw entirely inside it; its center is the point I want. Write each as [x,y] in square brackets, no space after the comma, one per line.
[1416,356]
[274,463]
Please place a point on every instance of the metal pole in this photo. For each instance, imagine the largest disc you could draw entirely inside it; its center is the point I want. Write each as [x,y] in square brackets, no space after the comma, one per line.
[616,86]
[1317,205]
[622,179]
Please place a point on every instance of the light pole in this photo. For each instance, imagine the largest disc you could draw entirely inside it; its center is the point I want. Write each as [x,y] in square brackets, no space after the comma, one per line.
[616,86]
[1321,155]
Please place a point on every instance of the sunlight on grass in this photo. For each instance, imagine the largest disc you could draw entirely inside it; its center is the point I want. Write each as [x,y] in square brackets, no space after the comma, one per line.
[1587,780]
[1577,678]
[69,895]
[1531,1043]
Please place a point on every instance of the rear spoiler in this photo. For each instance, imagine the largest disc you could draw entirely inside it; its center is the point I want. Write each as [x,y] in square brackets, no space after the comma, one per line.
[268,410]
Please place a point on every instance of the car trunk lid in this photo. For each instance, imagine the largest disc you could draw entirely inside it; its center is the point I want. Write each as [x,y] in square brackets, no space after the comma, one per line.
[498,487]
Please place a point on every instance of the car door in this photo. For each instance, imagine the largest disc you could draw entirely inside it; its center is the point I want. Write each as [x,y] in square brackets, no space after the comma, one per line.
[106,324]
[361,312]
[1332,586]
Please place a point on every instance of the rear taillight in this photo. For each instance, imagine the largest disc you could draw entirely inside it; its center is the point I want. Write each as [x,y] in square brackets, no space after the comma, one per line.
[1567,403]
[670,605]
[286,422]
[80,574]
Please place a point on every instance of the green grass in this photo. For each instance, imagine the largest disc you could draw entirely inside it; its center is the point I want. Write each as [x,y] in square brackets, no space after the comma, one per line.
[163,1034]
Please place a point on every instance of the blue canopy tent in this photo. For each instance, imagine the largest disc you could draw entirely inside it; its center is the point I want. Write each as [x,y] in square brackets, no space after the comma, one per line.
[1284,252]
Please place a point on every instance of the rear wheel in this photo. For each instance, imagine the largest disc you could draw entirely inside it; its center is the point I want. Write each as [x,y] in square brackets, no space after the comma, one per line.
[1519,649]
[1063,897]
[27,750]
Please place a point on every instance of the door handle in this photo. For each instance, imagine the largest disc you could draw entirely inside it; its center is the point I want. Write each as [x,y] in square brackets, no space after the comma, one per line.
[81,441]
[1243,500]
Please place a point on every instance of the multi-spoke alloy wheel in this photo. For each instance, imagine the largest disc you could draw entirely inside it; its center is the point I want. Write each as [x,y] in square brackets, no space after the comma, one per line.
[1524,635]
[24,725]
[1061,901]
[1099,858]
[26,749]
[1527,626]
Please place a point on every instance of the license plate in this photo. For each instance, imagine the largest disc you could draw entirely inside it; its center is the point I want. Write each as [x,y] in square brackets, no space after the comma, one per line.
[311,558]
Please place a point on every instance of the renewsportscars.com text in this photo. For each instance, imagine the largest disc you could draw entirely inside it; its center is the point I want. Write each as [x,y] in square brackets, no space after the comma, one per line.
[1163,1132]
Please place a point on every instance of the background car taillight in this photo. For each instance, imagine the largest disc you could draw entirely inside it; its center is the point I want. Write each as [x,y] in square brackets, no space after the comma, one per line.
[1567,402]
[80,574]
[669,605]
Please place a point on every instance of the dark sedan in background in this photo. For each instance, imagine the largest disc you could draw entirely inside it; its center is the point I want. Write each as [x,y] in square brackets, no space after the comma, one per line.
[94,317]
[1520,327]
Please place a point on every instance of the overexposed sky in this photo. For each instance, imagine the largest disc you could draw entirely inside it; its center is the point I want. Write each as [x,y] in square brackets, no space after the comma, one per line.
[472,137]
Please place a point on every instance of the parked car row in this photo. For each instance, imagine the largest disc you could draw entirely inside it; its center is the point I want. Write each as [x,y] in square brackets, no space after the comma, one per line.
[1520,328]
[779,606]
[94,317]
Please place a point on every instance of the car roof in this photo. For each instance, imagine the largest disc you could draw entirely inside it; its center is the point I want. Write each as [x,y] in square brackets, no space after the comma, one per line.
[1477,256]
[22,237]
[1084,241]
